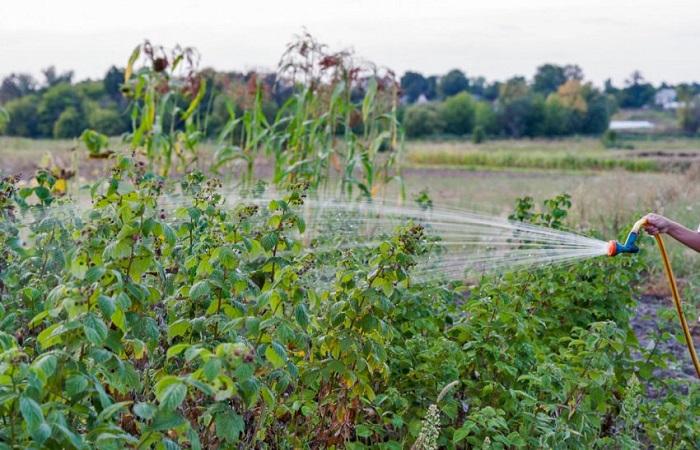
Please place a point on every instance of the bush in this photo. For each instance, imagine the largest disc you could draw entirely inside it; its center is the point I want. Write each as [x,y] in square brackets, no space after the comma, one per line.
[558,119]
[70,124]
[53,102]
[689,116]
[423,120]
[522,116]
[457,113]
[203,327]
[108,121]
[485,117]
[22,117]
[478,135]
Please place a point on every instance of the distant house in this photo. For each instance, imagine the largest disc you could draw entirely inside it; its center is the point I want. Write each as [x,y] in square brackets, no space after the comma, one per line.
[422,99]
[666,99]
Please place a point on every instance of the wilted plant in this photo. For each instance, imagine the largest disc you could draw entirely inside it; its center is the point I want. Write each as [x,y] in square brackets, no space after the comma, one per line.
[165,93]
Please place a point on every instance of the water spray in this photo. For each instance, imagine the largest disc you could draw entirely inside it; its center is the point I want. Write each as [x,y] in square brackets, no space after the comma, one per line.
[630,246]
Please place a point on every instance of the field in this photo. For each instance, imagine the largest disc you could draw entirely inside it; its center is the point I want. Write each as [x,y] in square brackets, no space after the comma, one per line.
[160,316]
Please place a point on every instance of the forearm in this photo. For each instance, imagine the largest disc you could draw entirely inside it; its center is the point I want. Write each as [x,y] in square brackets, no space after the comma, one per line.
[685,236]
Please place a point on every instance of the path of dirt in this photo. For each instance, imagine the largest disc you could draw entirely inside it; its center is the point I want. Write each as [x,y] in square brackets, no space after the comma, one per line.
[647,322]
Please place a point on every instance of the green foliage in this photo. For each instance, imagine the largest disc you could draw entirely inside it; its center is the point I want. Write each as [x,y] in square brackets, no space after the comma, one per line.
[108,121]
[422,121]
[4,118]
[69,124]
[689,116]
[202,327]
[478,135]
[56,100]
[548,78]
[453,83]
[22,114]
[457,113]
[96,143]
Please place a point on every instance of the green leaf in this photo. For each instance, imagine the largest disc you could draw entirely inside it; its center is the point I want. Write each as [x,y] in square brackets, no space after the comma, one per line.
[200,290]
[227,258]
[229,425]
[461,433]
[31,412]
[171,395]
[178,328]
[166,420]
[45,365]
[363,431]
[79,266]
[145,410]
[119,319]
[176,350]
[211,368]
[111,410]
[95,329]
[34,418]
[106,305]
[76,384]
[276,354]
[269,241]
[301,316]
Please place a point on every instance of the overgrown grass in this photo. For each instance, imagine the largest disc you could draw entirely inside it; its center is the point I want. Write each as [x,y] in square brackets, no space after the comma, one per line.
[533,160]
[576,154]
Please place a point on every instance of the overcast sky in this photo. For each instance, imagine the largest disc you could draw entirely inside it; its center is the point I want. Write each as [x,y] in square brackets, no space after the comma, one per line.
[494,38]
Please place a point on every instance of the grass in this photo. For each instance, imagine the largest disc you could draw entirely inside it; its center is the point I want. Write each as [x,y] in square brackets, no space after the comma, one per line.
[573,154]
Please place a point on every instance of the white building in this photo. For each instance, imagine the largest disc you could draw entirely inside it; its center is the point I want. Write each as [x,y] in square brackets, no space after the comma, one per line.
[666,99]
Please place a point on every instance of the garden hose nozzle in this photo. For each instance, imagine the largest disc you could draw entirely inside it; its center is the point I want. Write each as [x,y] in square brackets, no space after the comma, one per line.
[630,245]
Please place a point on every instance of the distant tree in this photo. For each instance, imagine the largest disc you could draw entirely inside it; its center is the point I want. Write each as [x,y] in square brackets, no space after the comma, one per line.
[477,86]
[52,77]
[22,120]
[557,117]
[478,135]
[4,118]
[53,102]
[453,83]
[485,118]
[431,92]
[548,78]
[512,89]
[689,115]
[108,121]
[422,120]
[93,90]
[609,88]
[571,95]
[573,72]
[70,124]
[601,107]
[113,82]
[492,90]
[16,85]
[520,112]
[637,92]
[457,113]
[413,84]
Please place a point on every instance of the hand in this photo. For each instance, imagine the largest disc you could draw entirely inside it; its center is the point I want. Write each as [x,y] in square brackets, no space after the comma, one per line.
[656,224]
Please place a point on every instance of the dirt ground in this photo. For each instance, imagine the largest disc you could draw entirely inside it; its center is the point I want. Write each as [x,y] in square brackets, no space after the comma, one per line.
[648,324]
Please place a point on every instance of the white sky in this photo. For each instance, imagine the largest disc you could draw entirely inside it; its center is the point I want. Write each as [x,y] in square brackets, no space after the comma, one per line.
[494,38]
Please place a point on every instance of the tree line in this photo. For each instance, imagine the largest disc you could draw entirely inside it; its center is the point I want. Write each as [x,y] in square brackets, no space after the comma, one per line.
[557,101]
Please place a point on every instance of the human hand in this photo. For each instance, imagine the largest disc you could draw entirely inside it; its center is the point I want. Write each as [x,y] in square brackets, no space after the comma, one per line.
[656,223]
